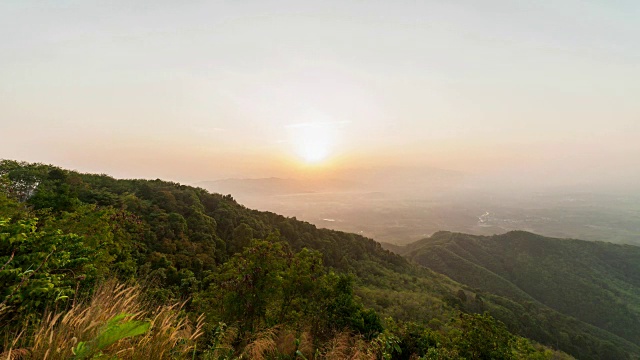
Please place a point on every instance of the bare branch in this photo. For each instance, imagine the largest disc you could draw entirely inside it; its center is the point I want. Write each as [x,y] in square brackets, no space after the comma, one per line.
[8,261]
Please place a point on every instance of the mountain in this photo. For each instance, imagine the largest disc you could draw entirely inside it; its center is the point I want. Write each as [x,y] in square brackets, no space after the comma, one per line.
[363,180]
[596,283]
[261,277]
[274,186]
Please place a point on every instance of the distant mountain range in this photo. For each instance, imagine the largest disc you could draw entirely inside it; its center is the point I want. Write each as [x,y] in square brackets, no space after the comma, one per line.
[387,179]
[274,186]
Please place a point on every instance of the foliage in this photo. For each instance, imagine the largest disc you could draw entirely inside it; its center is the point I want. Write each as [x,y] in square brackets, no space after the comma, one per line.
[276,287]
[116,329]
[583,297]
[268,285]
[40,268]
[115,321]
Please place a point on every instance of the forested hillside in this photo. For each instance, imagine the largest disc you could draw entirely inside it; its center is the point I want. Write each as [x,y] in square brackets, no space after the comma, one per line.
[94,266]
[596,283]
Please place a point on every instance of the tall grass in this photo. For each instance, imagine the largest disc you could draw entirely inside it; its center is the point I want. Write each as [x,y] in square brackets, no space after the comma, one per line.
[263,345]
[170,334]
[279,342]
[345,345]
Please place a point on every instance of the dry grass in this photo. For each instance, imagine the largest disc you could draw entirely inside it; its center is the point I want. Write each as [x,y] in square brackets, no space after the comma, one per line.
[263,345]
[170,335]
[281,342]
[347,346]
[306,344]
[277,341]
[17,354]
[286,343]
[270,343]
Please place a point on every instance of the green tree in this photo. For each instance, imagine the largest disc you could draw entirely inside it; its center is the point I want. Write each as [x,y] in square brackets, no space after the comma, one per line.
[23,177]
[482,337]
[250,281]
[343,309]
[39,268]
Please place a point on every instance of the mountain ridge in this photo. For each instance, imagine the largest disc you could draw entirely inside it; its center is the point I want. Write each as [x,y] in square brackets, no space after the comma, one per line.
[595,282]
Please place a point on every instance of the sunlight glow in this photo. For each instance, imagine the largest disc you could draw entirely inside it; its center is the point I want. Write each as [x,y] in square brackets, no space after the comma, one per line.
[313,142]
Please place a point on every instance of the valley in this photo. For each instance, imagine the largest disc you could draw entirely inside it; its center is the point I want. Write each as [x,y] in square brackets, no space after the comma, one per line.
[400,218]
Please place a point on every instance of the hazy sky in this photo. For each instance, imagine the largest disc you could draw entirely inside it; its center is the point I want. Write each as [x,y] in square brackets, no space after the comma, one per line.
[198,90]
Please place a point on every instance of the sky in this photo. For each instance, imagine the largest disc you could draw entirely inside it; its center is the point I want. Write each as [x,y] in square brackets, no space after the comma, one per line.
[199,90]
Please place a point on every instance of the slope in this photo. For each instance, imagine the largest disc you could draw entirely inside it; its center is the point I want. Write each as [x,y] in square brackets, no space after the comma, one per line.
[596,283]
[253,273]
[184,241]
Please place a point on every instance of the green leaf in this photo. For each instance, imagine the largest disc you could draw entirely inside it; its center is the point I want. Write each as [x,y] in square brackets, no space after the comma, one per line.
[111,333]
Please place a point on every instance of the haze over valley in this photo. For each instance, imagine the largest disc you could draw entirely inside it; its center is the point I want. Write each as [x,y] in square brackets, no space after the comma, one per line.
[401,206]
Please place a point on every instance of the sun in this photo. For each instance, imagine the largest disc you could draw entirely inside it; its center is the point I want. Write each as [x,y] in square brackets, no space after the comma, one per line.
[312,142]
[314,149]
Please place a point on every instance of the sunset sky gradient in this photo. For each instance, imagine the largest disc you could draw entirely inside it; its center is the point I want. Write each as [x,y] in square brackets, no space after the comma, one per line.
[200,90]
